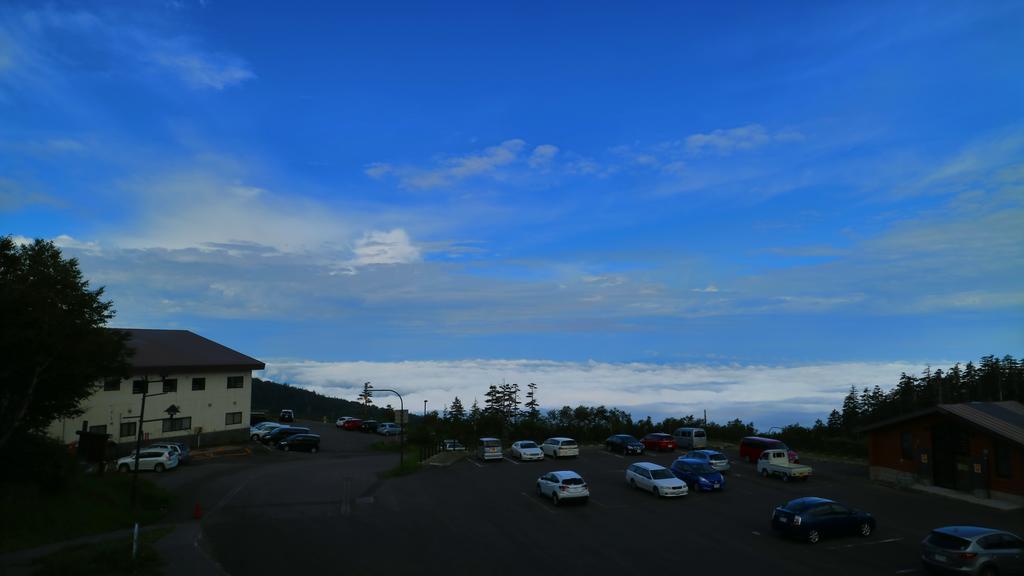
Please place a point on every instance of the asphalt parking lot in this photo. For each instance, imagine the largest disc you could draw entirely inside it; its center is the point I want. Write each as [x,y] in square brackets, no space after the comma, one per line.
[328,512]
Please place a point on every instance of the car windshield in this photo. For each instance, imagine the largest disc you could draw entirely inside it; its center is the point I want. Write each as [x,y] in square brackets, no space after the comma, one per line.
[717,457]
[568,442]
[661,474]
[698,434]
[948,541]
[703,469]
[527,445]
[572,481]
[492,443]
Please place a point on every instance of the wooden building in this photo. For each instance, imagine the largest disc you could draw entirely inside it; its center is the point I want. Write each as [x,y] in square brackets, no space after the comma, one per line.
[974,447]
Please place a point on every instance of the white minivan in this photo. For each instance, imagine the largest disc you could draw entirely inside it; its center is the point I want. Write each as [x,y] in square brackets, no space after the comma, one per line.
[490,449]
[559,447]
[690,438]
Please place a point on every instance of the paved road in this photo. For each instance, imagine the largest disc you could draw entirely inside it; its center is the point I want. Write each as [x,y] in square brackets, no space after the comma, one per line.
[300,513]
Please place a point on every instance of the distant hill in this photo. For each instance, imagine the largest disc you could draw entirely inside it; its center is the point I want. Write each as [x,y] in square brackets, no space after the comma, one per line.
[271,397]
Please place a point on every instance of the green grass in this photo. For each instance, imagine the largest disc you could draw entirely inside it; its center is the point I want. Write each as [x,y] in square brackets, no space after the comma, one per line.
[410,464]
[107,558]
[33,516]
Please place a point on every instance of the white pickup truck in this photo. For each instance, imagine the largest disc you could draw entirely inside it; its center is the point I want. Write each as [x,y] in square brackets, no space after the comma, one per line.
[776,463]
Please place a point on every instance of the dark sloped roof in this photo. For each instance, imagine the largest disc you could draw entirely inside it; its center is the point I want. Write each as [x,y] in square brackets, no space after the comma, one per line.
[1005,419]
[165,351]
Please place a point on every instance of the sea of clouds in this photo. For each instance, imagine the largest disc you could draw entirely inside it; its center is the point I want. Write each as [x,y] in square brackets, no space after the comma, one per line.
[767,395]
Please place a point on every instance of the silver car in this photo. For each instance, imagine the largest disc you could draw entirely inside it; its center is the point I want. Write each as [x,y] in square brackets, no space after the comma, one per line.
[972,550]
[716,459]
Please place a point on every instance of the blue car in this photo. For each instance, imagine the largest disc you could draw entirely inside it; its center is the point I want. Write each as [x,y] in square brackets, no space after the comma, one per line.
[811,519]
[698,474]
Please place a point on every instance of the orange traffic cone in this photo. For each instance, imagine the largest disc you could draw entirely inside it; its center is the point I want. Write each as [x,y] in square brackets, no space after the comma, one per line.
[197,512]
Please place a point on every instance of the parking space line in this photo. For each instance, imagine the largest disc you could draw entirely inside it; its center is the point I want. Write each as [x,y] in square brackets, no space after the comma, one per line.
[475,463]
[907,571]
[511,460]
[869,543]
[538,502]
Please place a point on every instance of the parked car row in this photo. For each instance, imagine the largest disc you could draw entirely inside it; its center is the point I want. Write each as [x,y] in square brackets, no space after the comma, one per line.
[158,457]
[382,428]
[285,437]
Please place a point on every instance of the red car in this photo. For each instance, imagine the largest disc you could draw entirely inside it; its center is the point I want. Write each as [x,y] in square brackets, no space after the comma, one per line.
[352,424]
[752,446]
[658,441]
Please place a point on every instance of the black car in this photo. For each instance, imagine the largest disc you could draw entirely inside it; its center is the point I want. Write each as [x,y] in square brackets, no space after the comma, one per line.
[283,432]
[624,443]
[812,518]
[369,426]
[307,442]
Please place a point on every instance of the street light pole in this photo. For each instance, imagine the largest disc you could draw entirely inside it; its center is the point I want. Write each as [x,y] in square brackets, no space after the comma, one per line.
[424,408]
[138,449]
[401,429]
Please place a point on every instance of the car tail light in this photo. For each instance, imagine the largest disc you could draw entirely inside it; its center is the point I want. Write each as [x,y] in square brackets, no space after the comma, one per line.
[796,520]
[968,555]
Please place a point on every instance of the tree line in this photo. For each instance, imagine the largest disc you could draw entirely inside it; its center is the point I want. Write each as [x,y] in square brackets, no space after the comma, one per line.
[510,413]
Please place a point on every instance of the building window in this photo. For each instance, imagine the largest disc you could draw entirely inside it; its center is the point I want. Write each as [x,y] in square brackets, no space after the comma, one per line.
[1004,468]
[177,424]
[907,446]
[170,385]
[198,384]
[235,381]
[101,429]
[232,418]
[139,386]
[111,384]
[127,429]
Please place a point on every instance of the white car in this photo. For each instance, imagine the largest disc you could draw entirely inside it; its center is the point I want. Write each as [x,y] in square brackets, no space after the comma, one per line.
[262,429]
[559,447]
[341,421]
[655,479]
[562,485]
[155,459]
[389,429]
[527,450]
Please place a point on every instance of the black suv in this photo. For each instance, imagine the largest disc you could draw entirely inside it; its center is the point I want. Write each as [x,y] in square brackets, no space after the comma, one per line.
[369,426]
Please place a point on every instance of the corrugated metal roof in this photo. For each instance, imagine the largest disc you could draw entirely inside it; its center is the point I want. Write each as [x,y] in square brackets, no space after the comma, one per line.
[1004,419]
[183,351]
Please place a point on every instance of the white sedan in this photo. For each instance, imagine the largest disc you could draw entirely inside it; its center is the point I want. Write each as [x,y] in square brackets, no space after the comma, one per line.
[562,485]
[155,459]
[526,450]
[655,479]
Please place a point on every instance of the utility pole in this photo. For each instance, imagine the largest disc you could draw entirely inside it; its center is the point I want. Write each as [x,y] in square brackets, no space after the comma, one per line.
[424,408]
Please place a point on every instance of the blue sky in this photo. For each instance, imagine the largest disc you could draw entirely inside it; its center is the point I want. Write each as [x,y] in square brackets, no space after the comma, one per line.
[743,184]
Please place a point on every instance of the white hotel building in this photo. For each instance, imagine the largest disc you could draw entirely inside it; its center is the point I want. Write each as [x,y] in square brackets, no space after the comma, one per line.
[210,385]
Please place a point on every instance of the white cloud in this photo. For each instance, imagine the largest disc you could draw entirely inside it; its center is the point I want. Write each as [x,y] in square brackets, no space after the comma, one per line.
[495,162]
[543,155]
[791,393]
[710,289]
[392,247]
[727,141]
[202,70]
[65,241]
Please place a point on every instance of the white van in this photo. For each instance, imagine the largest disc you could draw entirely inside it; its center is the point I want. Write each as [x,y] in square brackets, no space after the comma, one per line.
[690,438]
[490,449]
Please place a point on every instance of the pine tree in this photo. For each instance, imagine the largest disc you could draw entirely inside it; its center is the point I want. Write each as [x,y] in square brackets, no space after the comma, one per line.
[492,401]
[835,422]
[851,411]
[456,413]
[532,406]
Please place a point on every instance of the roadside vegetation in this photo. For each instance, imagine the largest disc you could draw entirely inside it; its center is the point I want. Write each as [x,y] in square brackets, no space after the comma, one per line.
[48,499]
[107,558]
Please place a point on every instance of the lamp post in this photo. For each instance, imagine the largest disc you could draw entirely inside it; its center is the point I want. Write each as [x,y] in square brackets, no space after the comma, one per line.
[401,429]
[172,411]
[424,408]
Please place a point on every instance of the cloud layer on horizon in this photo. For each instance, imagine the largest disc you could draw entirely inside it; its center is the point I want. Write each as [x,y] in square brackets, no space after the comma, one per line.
[789,394]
